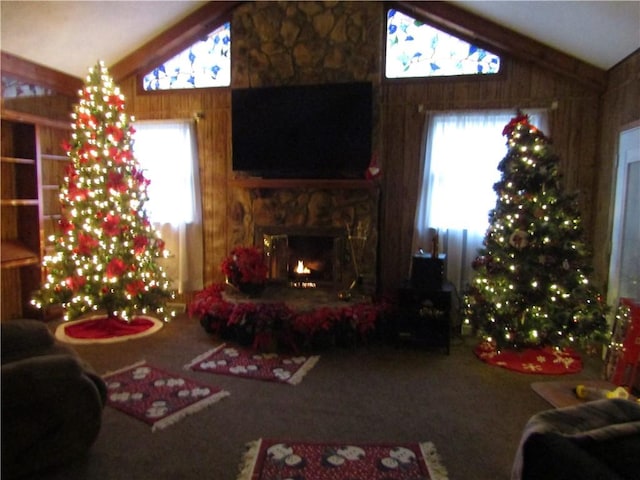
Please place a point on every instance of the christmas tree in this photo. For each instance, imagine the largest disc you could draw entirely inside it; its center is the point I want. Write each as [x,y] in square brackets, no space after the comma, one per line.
[531,284]
[105,256]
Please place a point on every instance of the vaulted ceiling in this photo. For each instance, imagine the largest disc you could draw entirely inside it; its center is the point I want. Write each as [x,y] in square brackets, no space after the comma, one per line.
[70,36]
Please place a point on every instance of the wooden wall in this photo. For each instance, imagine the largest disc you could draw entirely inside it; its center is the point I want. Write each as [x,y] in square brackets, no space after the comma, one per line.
[574,128]
[620,109]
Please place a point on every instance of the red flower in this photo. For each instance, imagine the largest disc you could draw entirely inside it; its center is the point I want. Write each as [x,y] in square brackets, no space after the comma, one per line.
[114,132]
[135,287]
[111,225]
[115,182]
[86,244]
[78,194]
[116,267]
[140,243]
[117,101]
[245,265]
[65,225]
[75,283]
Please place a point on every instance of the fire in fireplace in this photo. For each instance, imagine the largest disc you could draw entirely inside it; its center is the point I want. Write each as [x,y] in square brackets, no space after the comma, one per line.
[304,257]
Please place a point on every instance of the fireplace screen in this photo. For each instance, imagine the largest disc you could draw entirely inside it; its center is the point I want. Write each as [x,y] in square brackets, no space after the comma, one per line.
[304,257]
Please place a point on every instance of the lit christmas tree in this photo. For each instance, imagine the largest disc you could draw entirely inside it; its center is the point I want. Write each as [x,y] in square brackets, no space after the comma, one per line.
[531,286]
[105,256]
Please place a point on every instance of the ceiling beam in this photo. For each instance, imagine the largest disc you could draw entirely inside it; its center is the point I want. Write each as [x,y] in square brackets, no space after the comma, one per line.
[33,73]
[169,43]
[502,40]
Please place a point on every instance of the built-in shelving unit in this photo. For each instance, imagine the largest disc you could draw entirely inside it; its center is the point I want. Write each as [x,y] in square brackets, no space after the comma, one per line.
[33,162]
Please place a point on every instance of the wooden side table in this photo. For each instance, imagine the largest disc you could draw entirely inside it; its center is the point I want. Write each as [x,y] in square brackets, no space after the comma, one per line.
[423,315]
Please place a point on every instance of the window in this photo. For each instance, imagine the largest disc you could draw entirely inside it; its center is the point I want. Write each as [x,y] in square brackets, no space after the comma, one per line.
[462,152]
[204,64]
[167,153]
[415,49]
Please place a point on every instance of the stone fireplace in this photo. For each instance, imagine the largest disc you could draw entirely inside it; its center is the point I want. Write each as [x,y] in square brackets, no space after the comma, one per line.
[330,232]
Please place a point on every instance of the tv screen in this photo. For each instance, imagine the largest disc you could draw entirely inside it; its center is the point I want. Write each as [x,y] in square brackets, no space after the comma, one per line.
[309,131]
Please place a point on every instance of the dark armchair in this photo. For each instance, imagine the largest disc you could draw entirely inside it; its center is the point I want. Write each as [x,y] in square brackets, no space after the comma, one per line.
[52,402]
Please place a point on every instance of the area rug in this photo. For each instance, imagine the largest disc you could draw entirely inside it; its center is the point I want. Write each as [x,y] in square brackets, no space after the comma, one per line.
[157,397]
[276,460]
[562,393]
[543,361]
[101,329]
[244,362]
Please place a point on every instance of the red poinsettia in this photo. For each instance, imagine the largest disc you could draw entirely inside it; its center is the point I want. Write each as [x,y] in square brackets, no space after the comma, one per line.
[245,265]
[75,283]
[115,182]
[116,267]
[115,133]
[86,244]
[135,287]
[117,101]
[111,225]
[140,243]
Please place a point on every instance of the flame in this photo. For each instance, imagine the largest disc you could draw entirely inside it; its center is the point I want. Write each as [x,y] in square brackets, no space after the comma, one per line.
[301,269]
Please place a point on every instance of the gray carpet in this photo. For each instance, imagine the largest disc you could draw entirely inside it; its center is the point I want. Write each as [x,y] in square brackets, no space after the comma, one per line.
[473,412]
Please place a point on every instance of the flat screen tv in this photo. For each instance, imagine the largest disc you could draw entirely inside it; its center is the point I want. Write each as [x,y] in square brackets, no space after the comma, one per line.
[309,131]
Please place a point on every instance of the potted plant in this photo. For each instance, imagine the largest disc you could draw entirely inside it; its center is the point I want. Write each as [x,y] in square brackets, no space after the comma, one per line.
[245,269]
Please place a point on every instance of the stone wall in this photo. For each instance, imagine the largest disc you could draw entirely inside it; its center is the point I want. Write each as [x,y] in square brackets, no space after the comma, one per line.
[296,43]
[306,43]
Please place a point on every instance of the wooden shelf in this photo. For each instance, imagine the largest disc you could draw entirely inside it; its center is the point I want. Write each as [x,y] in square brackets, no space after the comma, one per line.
[57,158]
[20,161]
[337,184]
[14,255]
[19,202]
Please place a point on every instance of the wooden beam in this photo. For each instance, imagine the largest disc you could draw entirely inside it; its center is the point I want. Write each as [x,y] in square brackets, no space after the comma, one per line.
[174,40]
[36,74]
[502,40]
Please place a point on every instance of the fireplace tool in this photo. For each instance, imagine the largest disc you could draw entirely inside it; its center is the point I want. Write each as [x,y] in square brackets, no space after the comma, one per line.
[360,238]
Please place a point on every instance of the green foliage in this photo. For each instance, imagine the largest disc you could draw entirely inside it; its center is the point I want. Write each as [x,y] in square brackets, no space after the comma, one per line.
[105,255]
[532,277]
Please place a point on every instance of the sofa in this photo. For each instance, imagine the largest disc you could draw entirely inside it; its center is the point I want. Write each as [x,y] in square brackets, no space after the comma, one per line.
[52,401]
[596,440]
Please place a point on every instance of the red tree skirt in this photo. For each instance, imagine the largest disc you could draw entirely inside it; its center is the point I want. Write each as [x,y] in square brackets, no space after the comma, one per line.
[101,329]
[542,360]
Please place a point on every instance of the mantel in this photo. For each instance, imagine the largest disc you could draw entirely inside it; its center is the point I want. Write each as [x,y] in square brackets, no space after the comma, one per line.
[255,182]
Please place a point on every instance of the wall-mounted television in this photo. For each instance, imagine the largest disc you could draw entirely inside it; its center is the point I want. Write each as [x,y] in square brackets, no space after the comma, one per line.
[307,131]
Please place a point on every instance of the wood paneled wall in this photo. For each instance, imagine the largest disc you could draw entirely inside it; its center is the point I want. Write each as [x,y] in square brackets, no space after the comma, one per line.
[573,127]
[620,109]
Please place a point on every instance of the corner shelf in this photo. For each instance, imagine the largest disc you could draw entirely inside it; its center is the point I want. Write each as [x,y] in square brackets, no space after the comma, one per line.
[30,150]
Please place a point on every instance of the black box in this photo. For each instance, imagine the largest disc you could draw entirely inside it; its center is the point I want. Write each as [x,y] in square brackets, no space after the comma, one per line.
[427,272]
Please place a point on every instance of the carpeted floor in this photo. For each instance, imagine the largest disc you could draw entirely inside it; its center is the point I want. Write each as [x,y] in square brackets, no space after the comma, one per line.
[472,412]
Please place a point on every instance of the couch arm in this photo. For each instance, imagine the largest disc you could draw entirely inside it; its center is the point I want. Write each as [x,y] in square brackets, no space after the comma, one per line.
[553,456]
[51,413]
[21,338]
[43,378]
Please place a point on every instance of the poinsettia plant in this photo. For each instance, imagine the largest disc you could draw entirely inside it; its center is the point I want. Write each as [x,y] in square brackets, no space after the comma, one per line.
[245,265]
